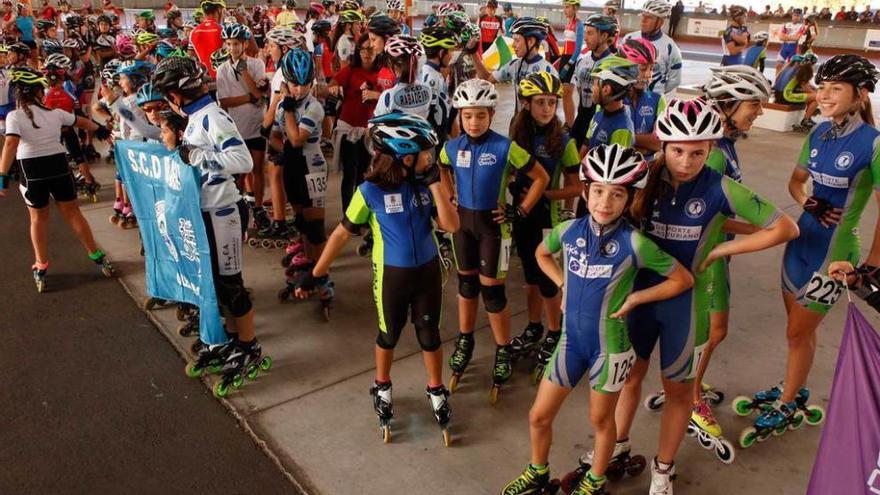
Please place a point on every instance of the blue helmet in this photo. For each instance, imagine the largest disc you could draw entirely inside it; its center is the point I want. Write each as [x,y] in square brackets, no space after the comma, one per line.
[164,48]
[137,71]
[166,33]
[400,134]
[235,31]
[298,67]
[147,94]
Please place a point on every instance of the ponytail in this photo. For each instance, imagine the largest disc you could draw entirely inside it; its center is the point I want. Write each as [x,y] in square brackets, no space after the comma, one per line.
[27,96]
[866,111]
[640,210]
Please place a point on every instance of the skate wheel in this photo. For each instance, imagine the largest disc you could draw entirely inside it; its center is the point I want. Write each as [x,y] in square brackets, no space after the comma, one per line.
[279,244]
[654,402]
[637,464]
[113,220]
[285,260]
[742,405]
[94,198]
[724,451]
[748,437]
[447,438]
[453,382]
[363,251]
[717,399]
[705,440]
[815,415]
[796,422]
[267,244]
[571,480]
[193,371]
[253,372]
[692,430]
[41,287]
[221,390]
[266,363]
[386,434]
[237,381]
[615,471]
[493,395]
[325,310]
[108,272]
[537,374]
[283,295]
[253,242]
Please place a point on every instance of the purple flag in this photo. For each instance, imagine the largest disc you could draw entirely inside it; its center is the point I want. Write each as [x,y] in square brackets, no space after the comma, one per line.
[849,451]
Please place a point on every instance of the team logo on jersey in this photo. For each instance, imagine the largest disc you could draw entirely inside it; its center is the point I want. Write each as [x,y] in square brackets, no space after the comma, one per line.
[581,242]
[487,160]
[426,198]
[844,160]
[541,151]
[412,96]
[610,248]
[574,266]
[814,152]
[646,111]
[695,208]
[602,136]
[393,203]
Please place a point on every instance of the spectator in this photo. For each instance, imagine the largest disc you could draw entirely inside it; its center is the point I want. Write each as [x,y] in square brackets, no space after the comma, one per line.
[724,10]
[840,15]
[825,14]
[751,12]
[48,12]
[852,15]
[701,9]
[876,19]
[767,12]
[272,10]
[509,18]
[780,12]
[675,16]
[288,15]
[866,15]
[610,8]
[432,18]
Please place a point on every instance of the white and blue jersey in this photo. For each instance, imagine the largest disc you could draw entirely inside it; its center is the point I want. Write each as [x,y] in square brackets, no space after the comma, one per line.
[611,128]
[431,76]
[583,78]
[518,69]
[414,99]
[309,115]
[728,59]
[724,160]
[217,149]
[667,66]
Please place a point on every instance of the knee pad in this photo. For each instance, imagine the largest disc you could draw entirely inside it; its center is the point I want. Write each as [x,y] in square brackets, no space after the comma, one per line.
[494,298]
[469,285]
[387,340]
[314,231]
[428,337]
[547,288]
[232,295]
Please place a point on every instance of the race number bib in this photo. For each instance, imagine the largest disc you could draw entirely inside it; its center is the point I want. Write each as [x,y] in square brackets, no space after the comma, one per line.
[504,259]
[822,289]
[317,184]
[619,366]
[695,364]
[463,159]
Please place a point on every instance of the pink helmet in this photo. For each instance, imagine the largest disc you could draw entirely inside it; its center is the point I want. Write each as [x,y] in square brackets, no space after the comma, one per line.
[639,51]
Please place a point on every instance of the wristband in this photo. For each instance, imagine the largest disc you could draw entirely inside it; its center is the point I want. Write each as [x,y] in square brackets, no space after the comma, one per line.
[4,181]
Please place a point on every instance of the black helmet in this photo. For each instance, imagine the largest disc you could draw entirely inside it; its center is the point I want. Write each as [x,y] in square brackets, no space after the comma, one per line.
[177,73]
[44,24]
[852,69]
[736,11]
[21,49]
[321,26]
[74,21]
[382,25]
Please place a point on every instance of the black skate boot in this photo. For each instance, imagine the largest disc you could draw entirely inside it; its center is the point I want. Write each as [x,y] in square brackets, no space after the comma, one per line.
[461,356]
[382,403]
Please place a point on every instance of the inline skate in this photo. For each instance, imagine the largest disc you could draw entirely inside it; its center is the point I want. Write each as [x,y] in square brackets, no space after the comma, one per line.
[91,154]
[661,479]
[707,431]
[527,342]
[622,462]
[447,254]
[39,271]
[152,303]
[532,482]
[775,416]
[545,352]
[103,264]
[714,397]
[245,359]
[382,403]
[293,248]
[261,218]
[209,359]
[118,216]
[366,246]
[438,397]
[87,189]
[460,358]
[129,221]
[190,327]
[275,235]
[501,371]
[804,126]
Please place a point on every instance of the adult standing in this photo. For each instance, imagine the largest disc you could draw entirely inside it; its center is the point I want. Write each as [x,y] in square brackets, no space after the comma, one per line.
[667,66]
[736,36]
[675,16]
[789,36]
[206,38]
[490,25]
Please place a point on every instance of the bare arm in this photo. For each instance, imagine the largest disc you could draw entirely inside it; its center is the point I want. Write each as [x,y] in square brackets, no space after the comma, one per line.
[295,134]
[540,179]
[782,230]
[10,148]
[447,215]
[571,188]
[338,239]
[648,142]
[548,265]
[873,258]
[677,282]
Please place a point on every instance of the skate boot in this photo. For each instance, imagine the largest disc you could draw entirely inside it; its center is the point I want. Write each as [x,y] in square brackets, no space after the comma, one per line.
[590,485]
[501,371]
[447,254]
[184,310]
[366,246]
[190,328]
[40,270]
[780,417]
[261,218]
[532,481]
[273,236]
[117,217]
[91,153]
[103,264]
[300,262]
[293,248]
[152,303]
[523,345]
[461,356]
[621,463]
[439,400]
[210,359]
[708,432]
[245,359]
[382,403]
[763,401]
[661,479]
[128,219]
[545,352]
[713,397]
[90,190]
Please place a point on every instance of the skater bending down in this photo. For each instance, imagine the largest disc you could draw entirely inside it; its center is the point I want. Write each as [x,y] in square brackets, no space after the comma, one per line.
[602,253]
[683,208]
[33,138]
[400,196]
[212,143]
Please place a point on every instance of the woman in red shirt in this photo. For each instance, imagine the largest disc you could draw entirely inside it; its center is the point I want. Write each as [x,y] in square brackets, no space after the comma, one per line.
[356,83]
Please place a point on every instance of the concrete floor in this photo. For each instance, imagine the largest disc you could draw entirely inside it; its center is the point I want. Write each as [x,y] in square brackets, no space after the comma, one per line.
[314,412]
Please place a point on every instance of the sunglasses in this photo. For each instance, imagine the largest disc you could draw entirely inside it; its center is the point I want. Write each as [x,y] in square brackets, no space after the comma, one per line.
[153,108]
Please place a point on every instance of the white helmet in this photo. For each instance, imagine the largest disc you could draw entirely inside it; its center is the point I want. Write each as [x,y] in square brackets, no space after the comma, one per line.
[475,93]
[657,8]
[760,37]
[736,82]
[282,36]
[689,120]
[614,165]
[394,5]
[58,60]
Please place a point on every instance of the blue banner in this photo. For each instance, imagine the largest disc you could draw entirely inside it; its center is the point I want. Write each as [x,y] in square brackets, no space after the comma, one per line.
[165,194]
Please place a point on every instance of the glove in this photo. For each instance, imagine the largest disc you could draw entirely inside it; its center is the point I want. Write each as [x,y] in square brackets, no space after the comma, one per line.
[184,150]
[512,213]
[430,176]
[869,275]
[817,207]
[241,66]
[565,70]
[311,282]
[288,104]
[102,133]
